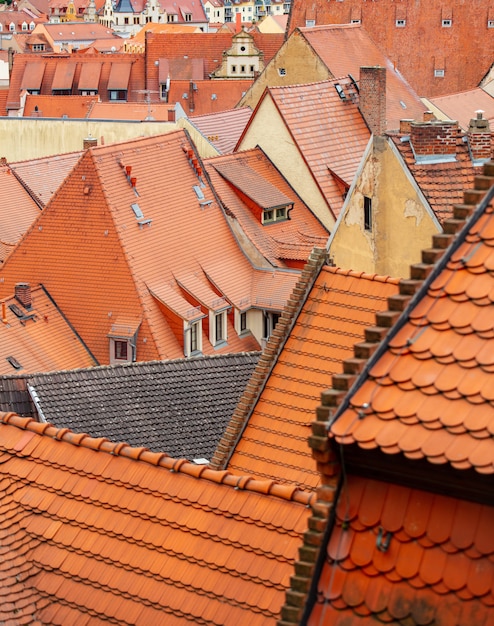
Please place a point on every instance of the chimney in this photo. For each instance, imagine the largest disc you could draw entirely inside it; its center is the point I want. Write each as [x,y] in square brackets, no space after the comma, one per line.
[480,138]
[238,22]
[171,115]
[428,116]
[89,142]
[405,126]
[437,138]
[23,294]
[372,98]
[191,96]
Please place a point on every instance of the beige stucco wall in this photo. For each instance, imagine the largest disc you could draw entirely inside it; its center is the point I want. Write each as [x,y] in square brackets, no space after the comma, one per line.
[301,66]
[402,222]
[268,131]
[204,147]
[26,138]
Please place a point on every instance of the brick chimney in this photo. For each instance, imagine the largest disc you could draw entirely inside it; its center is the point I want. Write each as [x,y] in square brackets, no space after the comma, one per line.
[22,294]
[171,115]
[89,142]
[372,97]
[436,138]
[480,139]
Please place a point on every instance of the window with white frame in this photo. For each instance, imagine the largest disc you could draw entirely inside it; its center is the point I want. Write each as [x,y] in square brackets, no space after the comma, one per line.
[439,73]
[490,23]
[194,339]
[219,328]
[401,23]
[274,215]
[270,321]
[447,23]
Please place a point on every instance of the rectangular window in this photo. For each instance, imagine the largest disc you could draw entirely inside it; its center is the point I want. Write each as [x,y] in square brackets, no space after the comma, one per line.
[367,213]
[309,23]
[243,321]
[242,69]
[282,71]
[401,23]
[188,17]
[281,213]
[234,69]
[117,95]
[355,21]
[490,23]
[439,73]
[121,350]
[126,20]
[447,23]
[194,338]
[218,327]
[267,216]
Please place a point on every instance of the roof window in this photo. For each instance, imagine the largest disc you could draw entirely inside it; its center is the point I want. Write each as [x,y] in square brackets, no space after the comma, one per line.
[490,23]
[439,73]
[447,23]
[14,362]
[401,23]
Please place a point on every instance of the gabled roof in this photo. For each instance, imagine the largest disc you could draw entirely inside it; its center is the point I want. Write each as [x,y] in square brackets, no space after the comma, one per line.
[410,424]
[95,531]
[43,176]
[268,433]
[180,407]
[401,30]
[18,210]
[330,133]
[131,231]
[347,47]
[442,183]
[249,178]
[223,129]
[38,338]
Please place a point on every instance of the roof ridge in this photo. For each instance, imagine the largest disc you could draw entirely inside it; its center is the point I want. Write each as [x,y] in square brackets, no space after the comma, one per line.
[399,305]
[267,361]
[246,483]
[381,278]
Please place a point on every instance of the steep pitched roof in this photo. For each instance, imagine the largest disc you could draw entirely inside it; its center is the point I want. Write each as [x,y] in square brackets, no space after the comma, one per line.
[223,129]
[18,210]
[132,233]
[345,48]
[268,432]
[249,178]
[180,407]
[330,133]
[412,419]
[95,531]
[400,31]
[39,338]
[463,106]
[44,176]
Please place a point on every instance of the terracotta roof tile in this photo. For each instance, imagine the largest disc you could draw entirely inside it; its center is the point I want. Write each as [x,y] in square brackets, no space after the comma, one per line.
[463,105]
[136,553]
[273,442]
[224,128]
[398,553]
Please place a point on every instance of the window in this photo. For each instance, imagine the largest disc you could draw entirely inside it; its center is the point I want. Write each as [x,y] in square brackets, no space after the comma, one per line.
[439,73]
[490,23]
[219,327]
[194,337]
[367,213]
[24,26]
[234,69]
[242,69]
[270,321]
[282,71]
[243,322]
[38,47]
[12,27]
[355,21]
[267,216]
[188,17]
[117,95]
[252,69]
[447,23]
[121,350]
[281,213]
[136,20]
[126,20]
[310,23]
[401,23]
[275,215]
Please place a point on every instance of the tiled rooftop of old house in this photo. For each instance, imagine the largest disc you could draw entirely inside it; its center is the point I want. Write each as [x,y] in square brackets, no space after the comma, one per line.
[248,184]
[224,128]
[180,407]
[99,532]
[455,42]
[203,97]
[18,210]
[134,222]
[43,176]
[35,337]
[463,106]
[411,447]
[268,433]
[329,132]
[442,160]
[74,107]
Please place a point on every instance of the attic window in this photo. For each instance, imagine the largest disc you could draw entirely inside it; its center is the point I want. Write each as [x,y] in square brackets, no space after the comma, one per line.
[309,23]
[367,213]
[282,71]
[401,23]
[188,17]
[439,73]
[490,23]
[199,193]
[355,21]
[137,211]
[447,23]
[14,362]
[274,215]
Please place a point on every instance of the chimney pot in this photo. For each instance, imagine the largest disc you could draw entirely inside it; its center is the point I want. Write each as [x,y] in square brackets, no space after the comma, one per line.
[128,170]
[429,116]
[89,142]
[133,181]
[22,292]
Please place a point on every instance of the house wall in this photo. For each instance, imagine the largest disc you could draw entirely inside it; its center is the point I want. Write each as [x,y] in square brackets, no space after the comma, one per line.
[300,63]
[269,132]
[402,225]
[24,138]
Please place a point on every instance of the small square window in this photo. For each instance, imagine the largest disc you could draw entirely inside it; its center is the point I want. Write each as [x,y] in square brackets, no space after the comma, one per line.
[121,350]
[490,23]
[447,23]
[439,73]
[309,23]
[282,71]
[401,23]
[268,216]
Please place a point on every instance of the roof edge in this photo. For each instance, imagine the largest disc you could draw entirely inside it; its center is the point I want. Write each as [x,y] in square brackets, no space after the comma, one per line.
[159,459]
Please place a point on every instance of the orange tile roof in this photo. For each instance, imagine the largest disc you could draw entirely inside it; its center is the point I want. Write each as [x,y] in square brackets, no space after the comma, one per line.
[345,48]
[251,173]
[453,48]
[463,106]
[273,443]
[113,259]
[18,210]
[224,128]
[38,339]
[98,532]
[436,569]
[130,111]
[208,96]
[43,176]
[442,183]
[330,134]
[429,394]
[75,107]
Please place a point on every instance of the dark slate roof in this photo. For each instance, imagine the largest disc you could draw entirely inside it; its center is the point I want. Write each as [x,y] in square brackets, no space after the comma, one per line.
[179,407]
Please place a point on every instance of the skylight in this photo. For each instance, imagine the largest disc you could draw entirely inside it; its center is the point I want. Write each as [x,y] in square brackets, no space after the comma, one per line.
[137,211]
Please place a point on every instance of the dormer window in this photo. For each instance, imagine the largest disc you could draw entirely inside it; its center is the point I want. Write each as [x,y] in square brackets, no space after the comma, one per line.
[24,26]
[188,17]
[447,23]
[401,23]
[220,334]
[12,27]
[194,338]
[274,215]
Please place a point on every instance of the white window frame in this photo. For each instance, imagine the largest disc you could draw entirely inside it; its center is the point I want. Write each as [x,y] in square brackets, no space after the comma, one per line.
[447,23]
[438,73]
[401,23]
[218,319]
